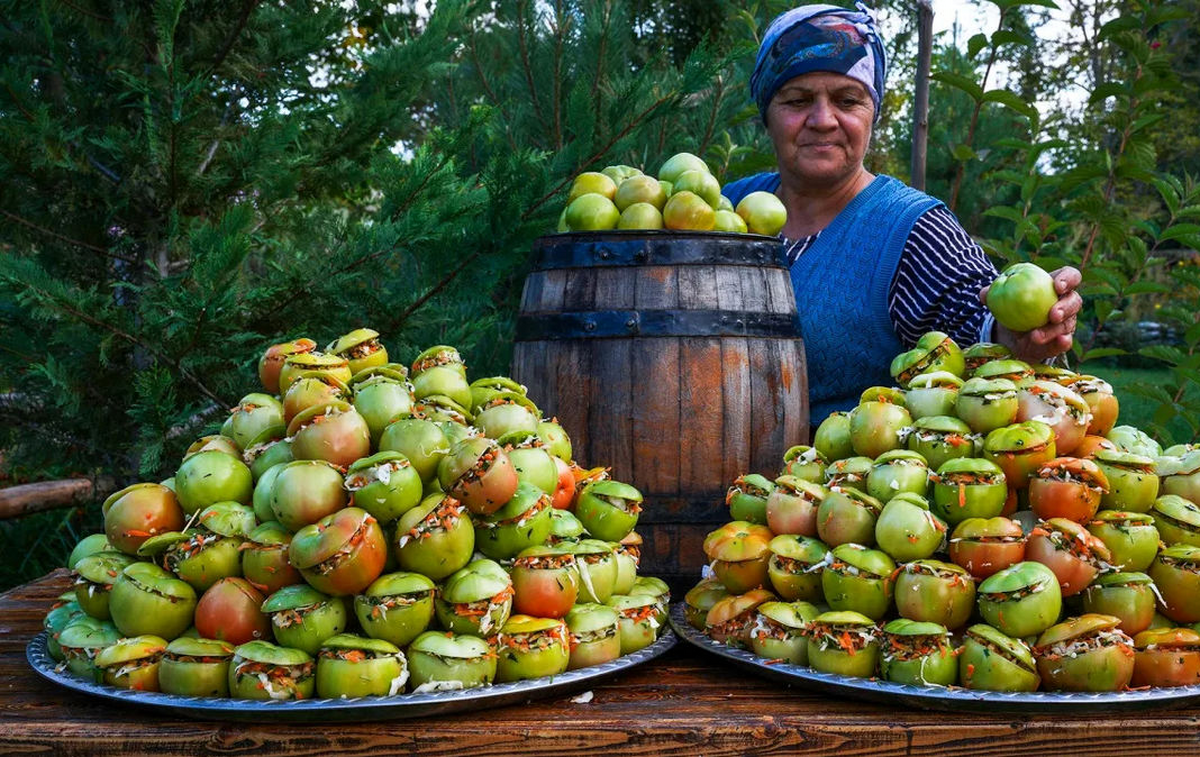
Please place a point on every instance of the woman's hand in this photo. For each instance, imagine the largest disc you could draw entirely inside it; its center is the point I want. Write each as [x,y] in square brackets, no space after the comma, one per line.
[1056,336]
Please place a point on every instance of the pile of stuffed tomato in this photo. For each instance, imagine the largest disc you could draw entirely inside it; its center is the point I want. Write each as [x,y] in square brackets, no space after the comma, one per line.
[360,527]
[984,523]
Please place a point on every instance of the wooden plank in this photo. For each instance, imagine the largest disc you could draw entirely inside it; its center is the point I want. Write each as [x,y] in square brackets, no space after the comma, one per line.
[701,446]
[615,288]
[580,289]
[570,383]
[554,286]
[531,293]
[794,378]
[610,424]
[529,368]
[698,287]
[656,288]
[654,366]
[780,296]
[729,288]
[656,419]
[766,444]
[754,288]
[735,408]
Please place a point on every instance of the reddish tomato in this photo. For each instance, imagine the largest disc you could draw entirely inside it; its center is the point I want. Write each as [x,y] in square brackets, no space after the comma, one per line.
[564,493]
[1067,487]
[1167,657]
[545,582]
[1070,551]
[987,545]
[1092,444]
[231,611]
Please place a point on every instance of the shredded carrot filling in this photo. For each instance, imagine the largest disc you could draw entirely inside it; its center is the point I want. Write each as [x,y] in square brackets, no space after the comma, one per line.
[195,659]
[545,562]
[536,641]
[482,607]
[445,357]
[640,614]
[907,648]
[443,518]
[583,477]
[381,605]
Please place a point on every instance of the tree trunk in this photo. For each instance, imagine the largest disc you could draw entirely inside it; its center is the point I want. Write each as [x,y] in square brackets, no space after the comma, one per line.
[921,96]
[16,501]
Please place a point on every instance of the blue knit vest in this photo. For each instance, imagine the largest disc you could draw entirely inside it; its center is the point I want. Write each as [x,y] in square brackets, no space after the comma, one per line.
[842,283]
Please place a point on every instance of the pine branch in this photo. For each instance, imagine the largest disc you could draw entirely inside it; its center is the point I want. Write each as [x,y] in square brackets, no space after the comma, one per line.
[487,88]
[600,62]
[525,65]
[445,281]
[559,33]
[86,12]
[718,96]
[90,247]
[134,340]
[243,18]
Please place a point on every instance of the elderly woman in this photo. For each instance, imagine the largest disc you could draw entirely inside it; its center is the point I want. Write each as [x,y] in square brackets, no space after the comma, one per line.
[874,263]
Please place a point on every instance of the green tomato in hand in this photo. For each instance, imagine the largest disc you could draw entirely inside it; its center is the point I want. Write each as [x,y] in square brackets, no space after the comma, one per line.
[1021,297]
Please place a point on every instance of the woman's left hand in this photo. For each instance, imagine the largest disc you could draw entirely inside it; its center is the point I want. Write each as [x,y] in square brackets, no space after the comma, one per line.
[1056,336]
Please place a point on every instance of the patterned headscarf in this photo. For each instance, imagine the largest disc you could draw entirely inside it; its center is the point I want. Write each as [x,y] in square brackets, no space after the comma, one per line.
[819,38]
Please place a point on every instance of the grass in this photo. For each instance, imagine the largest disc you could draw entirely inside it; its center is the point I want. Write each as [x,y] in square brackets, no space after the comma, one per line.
[1137,410]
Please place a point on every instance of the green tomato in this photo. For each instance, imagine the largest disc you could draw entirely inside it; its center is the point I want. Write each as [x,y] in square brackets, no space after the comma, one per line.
[608,509]
[918,653]
[396,607]
[1021,297]
[196,668]
[529,647]
[993,661]
[261,670]
[1021,600]
[844,643]
[351,666]
[445,658]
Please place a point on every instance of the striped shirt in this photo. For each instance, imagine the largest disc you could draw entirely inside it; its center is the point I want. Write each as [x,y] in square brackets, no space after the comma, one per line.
[937,281]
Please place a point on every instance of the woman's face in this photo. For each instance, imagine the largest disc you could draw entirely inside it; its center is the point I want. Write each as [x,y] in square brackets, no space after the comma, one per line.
[820,124]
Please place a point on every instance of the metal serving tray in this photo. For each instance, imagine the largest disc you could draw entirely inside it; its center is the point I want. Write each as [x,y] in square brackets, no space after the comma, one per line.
[346,710]
[949,698]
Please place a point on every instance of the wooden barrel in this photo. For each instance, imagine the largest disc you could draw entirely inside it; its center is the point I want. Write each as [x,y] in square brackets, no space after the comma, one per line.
[675,358]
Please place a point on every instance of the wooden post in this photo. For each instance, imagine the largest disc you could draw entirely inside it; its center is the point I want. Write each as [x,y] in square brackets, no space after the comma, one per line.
[16,501]
[920,138]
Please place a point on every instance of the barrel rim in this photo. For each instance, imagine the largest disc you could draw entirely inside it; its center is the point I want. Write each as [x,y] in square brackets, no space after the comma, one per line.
[653,233]
[639,248]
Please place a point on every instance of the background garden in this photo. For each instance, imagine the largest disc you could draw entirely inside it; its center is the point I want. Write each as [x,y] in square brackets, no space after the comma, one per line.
[185,183]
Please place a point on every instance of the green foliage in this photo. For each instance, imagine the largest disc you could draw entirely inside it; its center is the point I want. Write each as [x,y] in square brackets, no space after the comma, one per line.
[1081,201]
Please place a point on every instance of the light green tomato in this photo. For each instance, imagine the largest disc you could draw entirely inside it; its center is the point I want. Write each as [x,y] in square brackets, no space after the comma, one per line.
[1021,297]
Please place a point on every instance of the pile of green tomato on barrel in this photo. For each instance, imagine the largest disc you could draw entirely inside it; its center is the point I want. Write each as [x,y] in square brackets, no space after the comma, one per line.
[984,524]
[361,528]
[684,197]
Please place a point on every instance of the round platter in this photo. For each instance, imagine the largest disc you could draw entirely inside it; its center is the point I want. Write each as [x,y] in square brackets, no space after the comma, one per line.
[347,710]
[952,698]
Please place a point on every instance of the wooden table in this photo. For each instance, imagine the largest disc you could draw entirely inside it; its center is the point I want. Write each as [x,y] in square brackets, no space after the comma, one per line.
[685,703]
